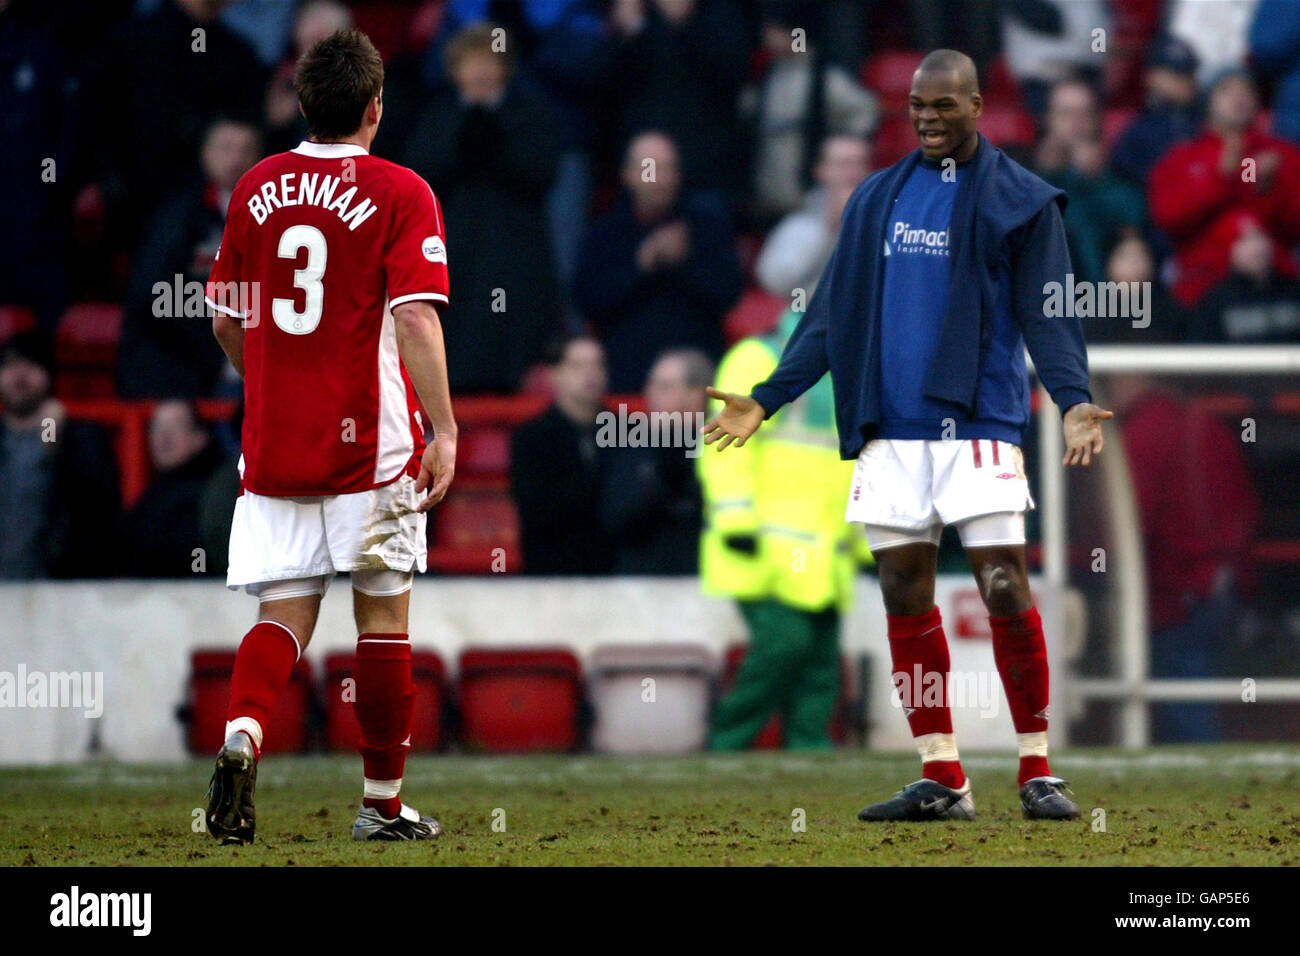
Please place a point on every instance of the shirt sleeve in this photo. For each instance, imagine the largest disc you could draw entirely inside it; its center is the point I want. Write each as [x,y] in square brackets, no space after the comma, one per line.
[225,291]
[415,262]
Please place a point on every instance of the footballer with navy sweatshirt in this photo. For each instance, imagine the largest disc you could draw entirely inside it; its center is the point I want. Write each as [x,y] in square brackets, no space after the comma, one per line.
[922,317]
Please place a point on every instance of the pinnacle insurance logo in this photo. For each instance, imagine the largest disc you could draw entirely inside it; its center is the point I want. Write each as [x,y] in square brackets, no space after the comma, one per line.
[906,240]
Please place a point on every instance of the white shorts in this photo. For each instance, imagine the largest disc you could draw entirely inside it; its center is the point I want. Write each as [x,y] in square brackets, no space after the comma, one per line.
[309,540]
[907,490]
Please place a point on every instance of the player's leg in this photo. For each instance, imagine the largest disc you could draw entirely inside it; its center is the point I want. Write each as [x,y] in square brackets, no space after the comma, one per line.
[265,659]
[995,546]
[385,702]
[907,564]
[780,638]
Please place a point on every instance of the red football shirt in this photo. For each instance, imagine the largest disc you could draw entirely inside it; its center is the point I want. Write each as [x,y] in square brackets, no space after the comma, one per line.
[321,243]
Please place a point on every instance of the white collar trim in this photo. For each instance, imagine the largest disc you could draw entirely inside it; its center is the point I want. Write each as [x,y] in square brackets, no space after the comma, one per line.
[328,150]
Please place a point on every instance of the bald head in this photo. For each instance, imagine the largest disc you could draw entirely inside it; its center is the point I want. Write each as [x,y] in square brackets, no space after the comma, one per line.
[945,105]
[952,61]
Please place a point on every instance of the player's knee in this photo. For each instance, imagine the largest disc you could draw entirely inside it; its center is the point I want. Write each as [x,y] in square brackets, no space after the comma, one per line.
[1004,587]
[906,592]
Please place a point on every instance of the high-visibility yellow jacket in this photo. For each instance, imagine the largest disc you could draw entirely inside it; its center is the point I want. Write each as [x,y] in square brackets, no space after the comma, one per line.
[787,486]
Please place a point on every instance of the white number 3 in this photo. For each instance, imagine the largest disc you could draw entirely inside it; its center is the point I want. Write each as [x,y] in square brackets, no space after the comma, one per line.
[295,239]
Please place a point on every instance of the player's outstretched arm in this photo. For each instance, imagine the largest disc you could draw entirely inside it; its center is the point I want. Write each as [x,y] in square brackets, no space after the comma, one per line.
[739,418]
[420,345]
[1083,438]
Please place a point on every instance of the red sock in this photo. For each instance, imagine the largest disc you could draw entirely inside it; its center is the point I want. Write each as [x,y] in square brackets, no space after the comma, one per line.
[385,705]
[920,655]
[262,666]
[1021,656]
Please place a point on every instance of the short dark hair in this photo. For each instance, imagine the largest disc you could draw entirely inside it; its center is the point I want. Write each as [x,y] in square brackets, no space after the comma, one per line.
[557,349]
[336,80]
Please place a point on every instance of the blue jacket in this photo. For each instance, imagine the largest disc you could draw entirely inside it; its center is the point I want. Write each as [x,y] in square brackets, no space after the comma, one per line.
[1001,211]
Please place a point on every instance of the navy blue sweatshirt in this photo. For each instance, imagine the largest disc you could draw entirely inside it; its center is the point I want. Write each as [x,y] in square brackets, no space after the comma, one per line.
[952,354]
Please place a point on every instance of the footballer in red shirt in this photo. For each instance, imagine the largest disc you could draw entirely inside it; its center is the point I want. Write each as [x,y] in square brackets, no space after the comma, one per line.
[325,295]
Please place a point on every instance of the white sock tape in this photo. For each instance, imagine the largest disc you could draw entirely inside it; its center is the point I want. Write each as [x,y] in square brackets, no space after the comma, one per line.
[936,747]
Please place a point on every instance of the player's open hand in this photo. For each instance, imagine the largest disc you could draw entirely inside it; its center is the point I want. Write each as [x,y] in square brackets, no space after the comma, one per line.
[1083,437]
[437,466]
[739,418]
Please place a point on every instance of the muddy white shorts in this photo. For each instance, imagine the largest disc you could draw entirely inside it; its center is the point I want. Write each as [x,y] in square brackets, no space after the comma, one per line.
[276,539]
[907,490]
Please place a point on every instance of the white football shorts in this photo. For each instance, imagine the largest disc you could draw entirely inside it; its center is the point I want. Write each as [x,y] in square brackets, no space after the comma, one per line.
[905,491]
[372,533]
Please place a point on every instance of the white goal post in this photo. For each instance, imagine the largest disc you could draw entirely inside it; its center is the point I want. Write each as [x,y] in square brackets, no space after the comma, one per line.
[1133,687]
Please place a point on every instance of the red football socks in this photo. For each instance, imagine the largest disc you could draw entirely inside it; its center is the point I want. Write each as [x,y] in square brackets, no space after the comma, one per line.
[919,650]
[262,666]
[384,707]
[1021,656]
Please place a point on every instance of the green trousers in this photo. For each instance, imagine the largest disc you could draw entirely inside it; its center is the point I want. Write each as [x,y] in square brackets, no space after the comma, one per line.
[792,667]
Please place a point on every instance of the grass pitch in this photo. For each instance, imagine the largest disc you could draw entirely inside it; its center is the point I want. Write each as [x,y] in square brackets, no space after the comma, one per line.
[1172,806]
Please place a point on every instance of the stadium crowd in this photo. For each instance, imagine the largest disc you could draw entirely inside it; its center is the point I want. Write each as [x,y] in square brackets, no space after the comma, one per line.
[574,273]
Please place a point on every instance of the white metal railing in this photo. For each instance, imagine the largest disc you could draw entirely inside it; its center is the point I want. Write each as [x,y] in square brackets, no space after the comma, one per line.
[1133,686]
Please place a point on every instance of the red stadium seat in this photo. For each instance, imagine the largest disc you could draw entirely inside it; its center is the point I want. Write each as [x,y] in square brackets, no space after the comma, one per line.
[893,140]
[85,347]
[520,700]
[429,675]
[483,451]
[756,313]
[15,319]
[470,525]
[888,74]
[1007,125]
[209,698]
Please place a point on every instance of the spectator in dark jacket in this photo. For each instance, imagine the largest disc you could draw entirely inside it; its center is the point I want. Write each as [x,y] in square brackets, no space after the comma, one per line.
[161,81]
[1072,157]
[658,270]
[162,534]
[284,123]
[1171,114]
[489,149]
[651,504]
[1253,304]
[555,468]
[1129,261]
[1275,52]
[173,355]
[37,122]
[678,66]
[59,498]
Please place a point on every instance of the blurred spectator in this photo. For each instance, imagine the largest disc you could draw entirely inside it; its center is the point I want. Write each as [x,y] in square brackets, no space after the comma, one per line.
[161,81]
[1197,535]
[1171,114]
[678,66]
[1253,304]
[1218,32]
[1202,190]
[658,270]
[175,355]
[265,25]
[161,532]
[971,26]
[650,501]
[797,250]
[489,148]
[797,102]
[556,465]
[1131,261]
[1046,41]
[58,479]
[1072,156]
[777,544]
[36,113]
[284,122]
[1275,53]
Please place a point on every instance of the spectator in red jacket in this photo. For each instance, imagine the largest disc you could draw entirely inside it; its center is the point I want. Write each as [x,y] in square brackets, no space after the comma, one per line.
[1202,190]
